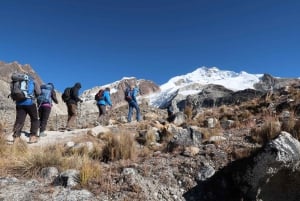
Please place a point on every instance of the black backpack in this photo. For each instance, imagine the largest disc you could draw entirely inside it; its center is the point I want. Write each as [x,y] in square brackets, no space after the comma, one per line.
[66,96]
[99,95]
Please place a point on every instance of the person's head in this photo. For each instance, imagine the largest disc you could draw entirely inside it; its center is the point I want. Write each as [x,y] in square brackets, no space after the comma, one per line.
[107,89]
[51,84]
[78,85]
[132,86]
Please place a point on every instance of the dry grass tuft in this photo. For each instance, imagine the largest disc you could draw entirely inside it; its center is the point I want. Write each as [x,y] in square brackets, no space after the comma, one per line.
[31,164]
[188,111]
[268,131]
[90,170]
[296,131]
[121,146]
[208,132]
[166,136]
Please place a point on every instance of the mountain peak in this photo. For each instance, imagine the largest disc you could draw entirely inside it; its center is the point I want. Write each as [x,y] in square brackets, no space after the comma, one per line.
[192,83]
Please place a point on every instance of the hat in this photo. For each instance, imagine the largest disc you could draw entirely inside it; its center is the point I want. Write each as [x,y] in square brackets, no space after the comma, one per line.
[78,85]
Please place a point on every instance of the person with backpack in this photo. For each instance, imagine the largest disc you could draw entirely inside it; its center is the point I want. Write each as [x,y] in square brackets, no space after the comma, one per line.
[71,98]
[130,97]
[45,99]
[24,89]
[103,100]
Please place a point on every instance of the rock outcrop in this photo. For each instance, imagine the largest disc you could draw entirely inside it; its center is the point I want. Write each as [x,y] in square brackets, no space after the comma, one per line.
[272,174]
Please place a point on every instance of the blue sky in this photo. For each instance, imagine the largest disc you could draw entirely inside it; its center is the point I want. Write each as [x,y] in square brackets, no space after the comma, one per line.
[97,42]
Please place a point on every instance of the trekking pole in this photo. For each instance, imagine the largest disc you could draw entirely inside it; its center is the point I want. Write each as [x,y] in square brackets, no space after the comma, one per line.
[79,116]
[56,122]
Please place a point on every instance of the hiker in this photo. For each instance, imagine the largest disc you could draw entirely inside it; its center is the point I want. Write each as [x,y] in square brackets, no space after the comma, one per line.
[45,103]
[103,100]
[130,97]
[25,105]
[72,105]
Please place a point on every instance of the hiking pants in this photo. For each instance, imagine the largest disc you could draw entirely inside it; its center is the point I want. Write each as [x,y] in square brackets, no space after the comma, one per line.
[133,105]
[102,113]
[72,115]
[44,113]
[21,113]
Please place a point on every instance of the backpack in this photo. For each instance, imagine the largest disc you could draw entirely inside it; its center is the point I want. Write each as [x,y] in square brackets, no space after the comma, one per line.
[19,87]
[128,95]
[66,96]
[46,92]
[99,95]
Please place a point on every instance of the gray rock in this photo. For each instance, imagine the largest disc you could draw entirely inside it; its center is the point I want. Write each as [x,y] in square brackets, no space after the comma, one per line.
[258,177]
[68,178]
[49,173]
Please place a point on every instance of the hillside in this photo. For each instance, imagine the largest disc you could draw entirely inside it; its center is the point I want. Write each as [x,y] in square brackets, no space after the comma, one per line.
[217,143]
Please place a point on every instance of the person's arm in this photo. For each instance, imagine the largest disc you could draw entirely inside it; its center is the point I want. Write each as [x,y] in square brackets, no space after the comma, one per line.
[53,96]
[37,89]
[107,98]
[75,94]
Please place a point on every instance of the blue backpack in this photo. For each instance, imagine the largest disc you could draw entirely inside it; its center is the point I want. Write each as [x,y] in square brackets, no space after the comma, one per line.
[45,96]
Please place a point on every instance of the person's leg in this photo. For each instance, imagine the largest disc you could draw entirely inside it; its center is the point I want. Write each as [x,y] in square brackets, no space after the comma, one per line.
[130,108]
[137,109]
[73,115]
[34,122]
[19,122]
[44,116]
[102,114]
[69,109]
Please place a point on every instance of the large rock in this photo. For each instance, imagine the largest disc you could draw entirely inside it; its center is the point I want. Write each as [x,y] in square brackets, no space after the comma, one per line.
[272,174]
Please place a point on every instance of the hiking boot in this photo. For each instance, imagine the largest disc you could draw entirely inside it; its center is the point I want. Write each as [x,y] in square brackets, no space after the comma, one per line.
[32,139]
[16,140]
[42,134]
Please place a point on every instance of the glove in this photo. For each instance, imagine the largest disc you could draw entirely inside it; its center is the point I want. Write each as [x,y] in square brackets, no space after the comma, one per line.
[81,101]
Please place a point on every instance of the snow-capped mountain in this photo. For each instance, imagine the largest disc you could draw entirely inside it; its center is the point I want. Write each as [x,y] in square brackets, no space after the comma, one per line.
[192,83]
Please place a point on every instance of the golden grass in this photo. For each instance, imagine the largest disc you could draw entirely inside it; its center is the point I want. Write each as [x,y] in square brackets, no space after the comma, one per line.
[268,131]
[296,130]
[90,170]
[208,132]
[188,111]
[31,164]
[119,146]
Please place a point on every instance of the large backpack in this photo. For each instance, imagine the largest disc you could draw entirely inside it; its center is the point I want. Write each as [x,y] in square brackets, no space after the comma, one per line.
[66,96]
[45,96]
[100,95]
[19,87]
[128,94]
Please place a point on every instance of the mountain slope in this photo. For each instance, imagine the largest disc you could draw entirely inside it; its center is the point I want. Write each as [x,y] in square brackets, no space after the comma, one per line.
[193,83]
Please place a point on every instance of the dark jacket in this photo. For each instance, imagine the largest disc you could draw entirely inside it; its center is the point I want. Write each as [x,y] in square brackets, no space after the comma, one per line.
[74,94]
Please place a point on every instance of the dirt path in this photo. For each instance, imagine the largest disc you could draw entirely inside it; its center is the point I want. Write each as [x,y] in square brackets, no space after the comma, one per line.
[52,137]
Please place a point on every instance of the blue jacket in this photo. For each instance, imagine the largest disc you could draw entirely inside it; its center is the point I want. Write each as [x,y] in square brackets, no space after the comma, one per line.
[33,91]
[106,99]
[134,92]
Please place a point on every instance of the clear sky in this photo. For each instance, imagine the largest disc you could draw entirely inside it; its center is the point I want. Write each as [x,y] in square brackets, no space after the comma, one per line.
[97,42]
